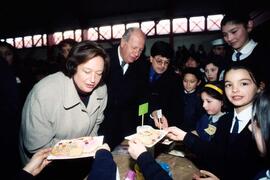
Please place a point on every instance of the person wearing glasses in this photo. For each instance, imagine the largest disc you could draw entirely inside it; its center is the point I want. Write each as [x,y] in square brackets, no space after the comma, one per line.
[162,85]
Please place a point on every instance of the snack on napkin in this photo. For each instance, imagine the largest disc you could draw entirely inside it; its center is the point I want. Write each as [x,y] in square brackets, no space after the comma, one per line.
[76,148]
[147,135]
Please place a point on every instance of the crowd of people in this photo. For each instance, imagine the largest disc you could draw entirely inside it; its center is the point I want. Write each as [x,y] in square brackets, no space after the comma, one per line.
[214,103]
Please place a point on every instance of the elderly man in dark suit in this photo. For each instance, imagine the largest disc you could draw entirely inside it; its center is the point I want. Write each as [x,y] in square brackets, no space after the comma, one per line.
[121,114]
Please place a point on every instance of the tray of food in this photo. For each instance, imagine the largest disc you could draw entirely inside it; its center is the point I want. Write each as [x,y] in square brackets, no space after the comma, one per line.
[75,148]
[148,135]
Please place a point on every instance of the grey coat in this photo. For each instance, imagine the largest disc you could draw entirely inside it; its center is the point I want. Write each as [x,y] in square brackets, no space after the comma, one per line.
[53,111]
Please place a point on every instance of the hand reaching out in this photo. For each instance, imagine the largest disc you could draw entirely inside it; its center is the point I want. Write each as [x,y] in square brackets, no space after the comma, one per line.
[175,133]
[38,162]
[136,148]
[162,123]
[205,175]
[104,146]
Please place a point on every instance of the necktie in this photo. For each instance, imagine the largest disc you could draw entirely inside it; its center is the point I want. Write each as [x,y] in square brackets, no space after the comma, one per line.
[235,126]
[210,119]
[237,55]
[123,63]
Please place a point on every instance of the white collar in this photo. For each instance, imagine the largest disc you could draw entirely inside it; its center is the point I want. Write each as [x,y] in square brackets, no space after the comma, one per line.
[186,92]
[119,55]
[244,115]
[216,117]
[121,60]
[244,118]
[246,50]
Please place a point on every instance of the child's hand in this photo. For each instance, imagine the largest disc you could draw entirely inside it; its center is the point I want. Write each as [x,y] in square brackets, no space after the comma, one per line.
[175,133]
[136,148]
[205,175]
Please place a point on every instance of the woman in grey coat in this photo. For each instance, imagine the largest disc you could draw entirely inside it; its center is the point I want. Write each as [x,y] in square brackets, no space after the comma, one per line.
[66,105]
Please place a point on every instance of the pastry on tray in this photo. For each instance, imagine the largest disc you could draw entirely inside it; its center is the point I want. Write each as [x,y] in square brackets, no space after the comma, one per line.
[148,135]
[76,148]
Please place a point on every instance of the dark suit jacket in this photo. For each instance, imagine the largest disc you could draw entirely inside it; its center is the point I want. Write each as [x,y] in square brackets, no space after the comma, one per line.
[121,113]
[258,61]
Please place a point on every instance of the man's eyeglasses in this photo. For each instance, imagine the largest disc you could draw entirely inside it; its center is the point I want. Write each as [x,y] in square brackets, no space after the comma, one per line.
[159,61]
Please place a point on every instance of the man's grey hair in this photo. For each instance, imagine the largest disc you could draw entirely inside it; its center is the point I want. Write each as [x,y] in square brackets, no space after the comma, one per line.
[129,31]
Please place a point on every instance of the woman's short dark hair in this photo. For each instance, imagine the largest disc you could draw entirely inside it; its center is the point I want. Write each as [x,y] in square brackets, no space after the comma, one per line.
[81,53]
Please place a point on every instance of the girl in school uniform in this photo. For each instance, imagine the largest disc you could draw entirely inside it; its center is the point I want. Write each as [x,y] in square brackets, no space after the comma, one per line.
[260,128]
[191,101]
[232,153]
[212,95]
[213,70]
[236,28]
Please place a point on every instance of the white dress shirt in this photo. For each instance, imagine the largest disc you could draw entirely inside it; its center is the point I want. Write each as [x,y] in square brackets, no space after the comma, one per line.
[245,51]
[244,118]
[120,61]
